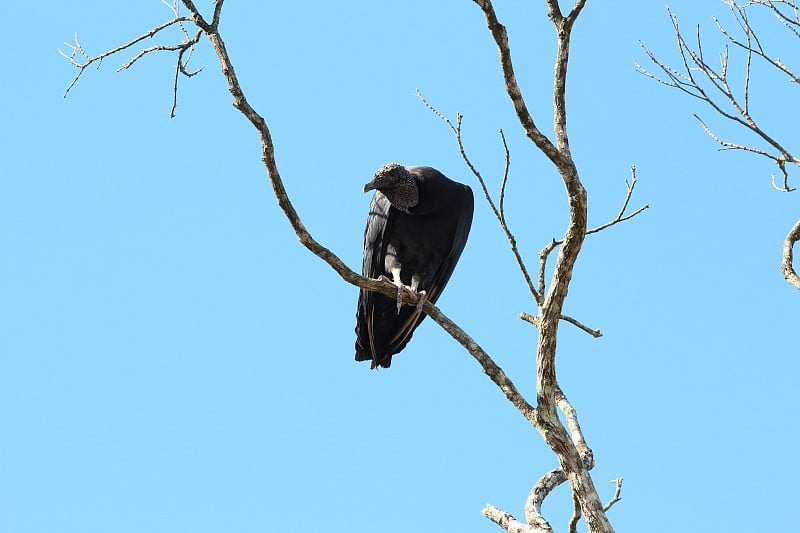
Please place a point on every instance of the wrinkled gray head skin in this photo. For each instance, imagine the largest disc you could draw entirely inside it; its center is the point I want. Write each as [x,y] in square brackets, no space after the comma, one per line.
[397,184]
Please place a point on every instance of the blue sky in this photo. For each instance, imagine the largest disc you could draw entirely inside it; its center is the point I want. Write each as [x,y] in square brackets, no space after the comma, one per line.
[171,359]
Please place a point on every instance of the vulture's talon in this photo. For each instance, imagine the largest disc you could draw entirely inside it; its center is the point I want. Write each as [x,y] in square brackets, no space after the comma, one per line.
[421,297]
[399,297]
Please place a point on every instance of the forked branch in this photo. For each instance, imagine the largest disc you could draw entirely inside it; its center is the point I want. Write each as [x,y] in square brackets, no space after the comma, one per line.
[622,216]
[711,85]
[498,213]
[552,301]
[82,60]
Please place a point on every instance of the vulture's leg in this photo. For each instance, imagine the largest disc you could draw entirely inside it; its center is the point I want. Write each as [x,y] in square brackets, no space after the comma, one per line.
[398,284]
[418,296]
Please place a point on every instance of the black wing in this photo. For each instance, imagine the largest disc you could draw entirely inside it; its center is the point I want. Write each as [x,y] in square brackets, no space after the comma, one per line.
[437,283]
[378,222]
[408,319]
[381,330]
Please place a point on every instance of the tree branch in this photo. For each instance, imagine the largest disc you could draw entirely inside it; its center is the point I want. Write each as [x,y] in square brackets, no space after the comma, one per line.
[687,82]
[730,106]
[535,321]
[511,524]
[500,35]
[547,421]
[787,265]
[78,51]
[505,178]
[617,492]
[556,477]
[744,23]
[499,214]
[621,217]
[572,525]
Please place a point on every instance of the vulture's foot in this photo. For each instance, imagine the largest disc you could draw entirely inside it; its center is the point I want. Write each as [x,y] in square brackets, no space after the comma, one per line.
[400,288]
[419,297]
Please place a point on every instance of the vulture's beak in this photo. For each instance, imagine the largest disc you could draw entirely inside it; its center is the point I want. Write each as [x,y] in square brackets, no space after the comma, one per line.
[369,186]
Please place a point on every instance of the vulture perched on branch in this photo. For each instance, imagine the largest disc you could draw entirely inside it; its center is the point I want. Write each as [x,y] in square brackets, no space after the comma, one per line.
[417,227]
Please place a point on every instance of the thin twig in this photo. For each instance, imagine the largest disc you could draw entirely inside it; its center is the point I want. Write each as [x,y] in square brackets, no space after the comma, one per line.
[728,104]
[617,492]
[505,179]
[181,48]
[596,333]
[180,68]
[758,50]
[543,255]
[499,213]
[81,65]
[535,320]
[621,217]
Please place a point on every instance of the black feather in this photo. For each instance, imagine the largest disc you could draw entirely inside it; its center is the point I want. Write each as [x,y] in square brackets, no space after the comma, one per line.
[424,241]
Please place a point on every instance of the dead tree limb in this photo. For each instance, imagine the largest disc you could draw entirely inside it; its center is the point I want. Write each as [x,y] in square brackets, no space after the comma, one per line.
[547,422]
[622,216]
[82,60]
[712,86]
[498,213]
[786,265]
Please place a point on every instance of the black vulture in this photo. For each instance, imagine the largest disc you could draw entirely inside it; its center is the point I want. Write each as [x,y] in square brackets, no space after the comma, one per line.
[417,227]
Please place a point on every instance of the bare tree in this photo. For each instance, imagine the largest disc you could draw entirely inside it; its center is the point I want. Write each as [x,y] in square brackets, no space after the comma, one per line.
[712,85]
[574,456]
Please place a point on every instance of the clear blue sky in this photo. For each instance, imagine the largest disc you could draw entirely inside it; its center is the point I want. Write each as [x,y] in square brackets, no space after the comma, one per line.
[172,360]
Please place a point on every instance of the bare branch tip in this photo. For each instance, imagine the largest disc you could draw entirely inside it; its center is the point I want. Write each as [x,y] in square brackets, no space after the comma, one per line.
[617,492]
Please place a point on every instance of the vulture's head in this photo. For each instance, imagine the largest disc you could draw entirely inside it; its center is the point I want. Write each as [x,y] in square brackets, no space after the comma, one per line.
[397,184]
